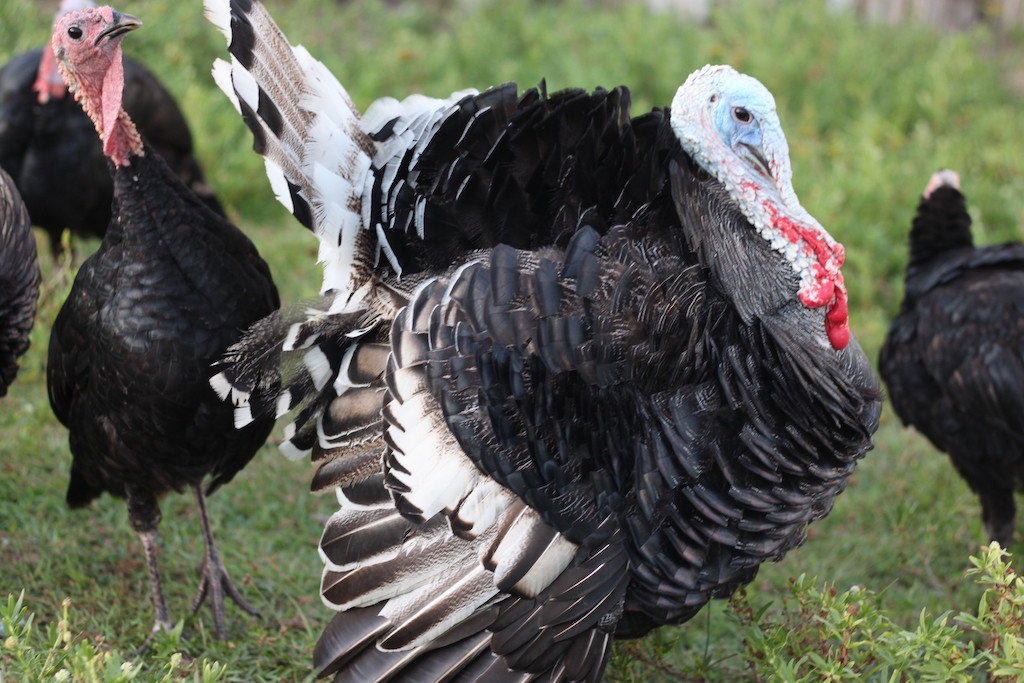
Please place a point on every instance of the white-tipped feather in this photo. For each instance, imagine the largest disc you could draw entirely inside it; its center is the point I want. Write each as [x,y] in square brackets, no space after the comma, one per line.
[439,485]
[374,520]
[222,77]
[417,564]
[384,247]
[287,448]
[219,14]
[552,562]
[235,396]
[344,380]
[284,403]
[278,183]
[518,540]
[319,367]
[221,386]
[483,505]
[243,416]
[347,503]
[420,438]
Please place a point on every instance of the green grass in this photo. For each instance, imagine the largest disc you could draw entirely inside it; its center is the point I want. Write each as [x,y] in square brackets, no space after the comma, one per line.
[869,111]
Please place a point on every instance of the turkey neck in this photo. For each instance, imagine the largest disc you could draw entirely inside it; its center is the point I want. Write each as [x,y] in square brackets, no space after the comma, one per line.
[149,201]
[942,224]
[757,280]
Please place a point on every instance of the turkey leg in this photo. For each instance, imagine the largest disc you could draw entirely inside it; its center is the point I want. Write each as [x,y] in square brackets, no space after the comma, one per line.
[215,581]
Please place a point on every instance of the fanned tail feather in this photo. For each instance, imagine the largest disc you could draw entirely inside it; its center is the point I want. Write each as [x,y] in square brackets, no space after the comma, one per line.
[307,129]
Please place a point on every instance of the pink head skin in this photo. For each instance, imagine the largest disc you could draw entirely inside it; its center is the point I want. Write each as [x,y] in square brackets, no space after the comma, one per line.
[727,122]
[940,179]
[48,82]
[87,47]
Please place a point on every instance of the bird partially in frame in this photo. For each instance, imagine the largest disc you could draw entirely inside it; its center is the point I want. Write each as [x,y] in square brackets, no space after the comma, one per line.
[953,359]
[172,285]
[573,373]
[19,280]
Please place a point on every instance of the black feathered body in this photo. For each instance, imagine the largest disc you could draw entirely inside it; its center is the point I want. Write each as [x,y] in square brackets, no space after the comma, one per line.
[55,156]
[598,400]
[953,360]
[172,285]
[19,280]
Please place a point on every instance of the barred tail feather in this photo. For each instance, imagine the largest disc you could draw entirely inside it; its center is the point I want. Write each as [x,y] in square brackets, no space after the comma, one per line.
[307,129]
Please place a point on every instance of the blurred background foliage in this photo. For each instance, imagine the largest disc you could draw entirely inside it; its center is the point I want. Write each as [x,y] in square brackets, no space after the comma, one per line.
[870,108]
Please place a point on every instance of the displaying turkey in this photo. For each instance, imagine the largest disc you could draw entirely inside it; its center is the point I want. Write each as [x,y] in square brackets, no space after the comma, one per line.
[172,285]
[19,280]
[573,374]
[49,146]
[953,360]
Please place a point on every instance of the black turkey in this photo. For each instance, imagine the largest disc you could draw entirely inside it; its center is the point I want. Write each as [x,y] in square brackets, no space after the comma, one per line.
[573,374]
[172,285]
[19,280]
[953,360]
[49,146]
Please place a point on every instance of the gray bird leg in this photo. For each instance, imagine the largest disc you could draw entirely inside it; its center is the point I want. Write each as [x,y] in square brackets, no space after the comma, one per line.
[215,581]
[151,548]
[144,516]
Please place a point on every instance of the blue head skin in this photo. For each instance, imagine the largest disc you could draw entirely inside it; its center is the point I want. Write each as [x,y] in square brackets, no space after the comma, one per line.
[727,122]
[737,114]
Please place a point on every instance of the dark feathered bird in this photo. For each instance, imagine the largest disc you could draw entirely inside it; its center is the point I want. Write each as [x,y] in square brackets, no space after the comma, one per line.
[172,285]
[19,280]
[50,148]
[953,360]
[573,374]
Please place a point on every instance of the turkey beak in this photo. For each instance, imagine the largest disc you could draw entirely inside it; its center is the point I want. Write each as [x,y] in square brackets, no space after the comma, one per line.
[122,24]
[757,159]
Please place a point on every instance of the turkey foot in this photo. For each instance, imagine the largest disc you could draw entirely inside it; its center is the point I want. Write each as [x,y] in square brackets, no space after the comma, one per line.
[215,581]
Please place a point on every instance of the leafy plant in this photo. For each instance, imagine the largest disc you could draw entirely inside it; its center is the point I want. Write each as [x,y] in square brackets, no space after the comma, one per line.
[53,653]
[823,634]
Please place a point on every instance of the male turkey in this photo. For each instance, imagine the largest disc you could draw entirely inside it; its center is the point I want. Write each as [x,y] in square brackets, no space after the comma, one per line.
[50,148]
[172,285]
[19,280]
[573,373]
[953,360]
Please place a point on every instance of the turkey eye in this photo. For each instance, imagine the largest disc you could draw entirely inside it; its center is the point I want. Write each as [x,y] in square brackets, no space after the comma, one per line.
[75,32]
[742,115]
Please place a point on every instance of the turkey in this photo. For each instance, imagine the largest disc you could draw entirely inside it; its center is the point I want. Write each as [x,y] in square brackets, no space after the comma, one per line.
[19,281]
[572,374]
[953,360]
[172,285]
[49,146]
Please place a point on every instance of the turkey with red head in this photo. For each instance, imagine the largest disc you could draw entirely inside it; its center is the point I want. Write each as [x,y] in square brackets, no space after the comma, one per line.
[49,146]
[573,373]
[172,285]
[953,360]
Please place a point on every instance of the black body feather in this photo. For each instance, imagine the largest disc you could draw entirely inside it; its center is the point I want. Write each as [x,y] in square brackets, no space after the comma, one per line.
[171,287]
[19,280]
[953,360]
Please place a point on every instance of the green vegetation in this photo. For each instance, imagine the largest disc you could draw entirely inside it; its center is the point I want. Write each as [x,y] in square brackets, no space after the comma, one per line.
[869,111]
